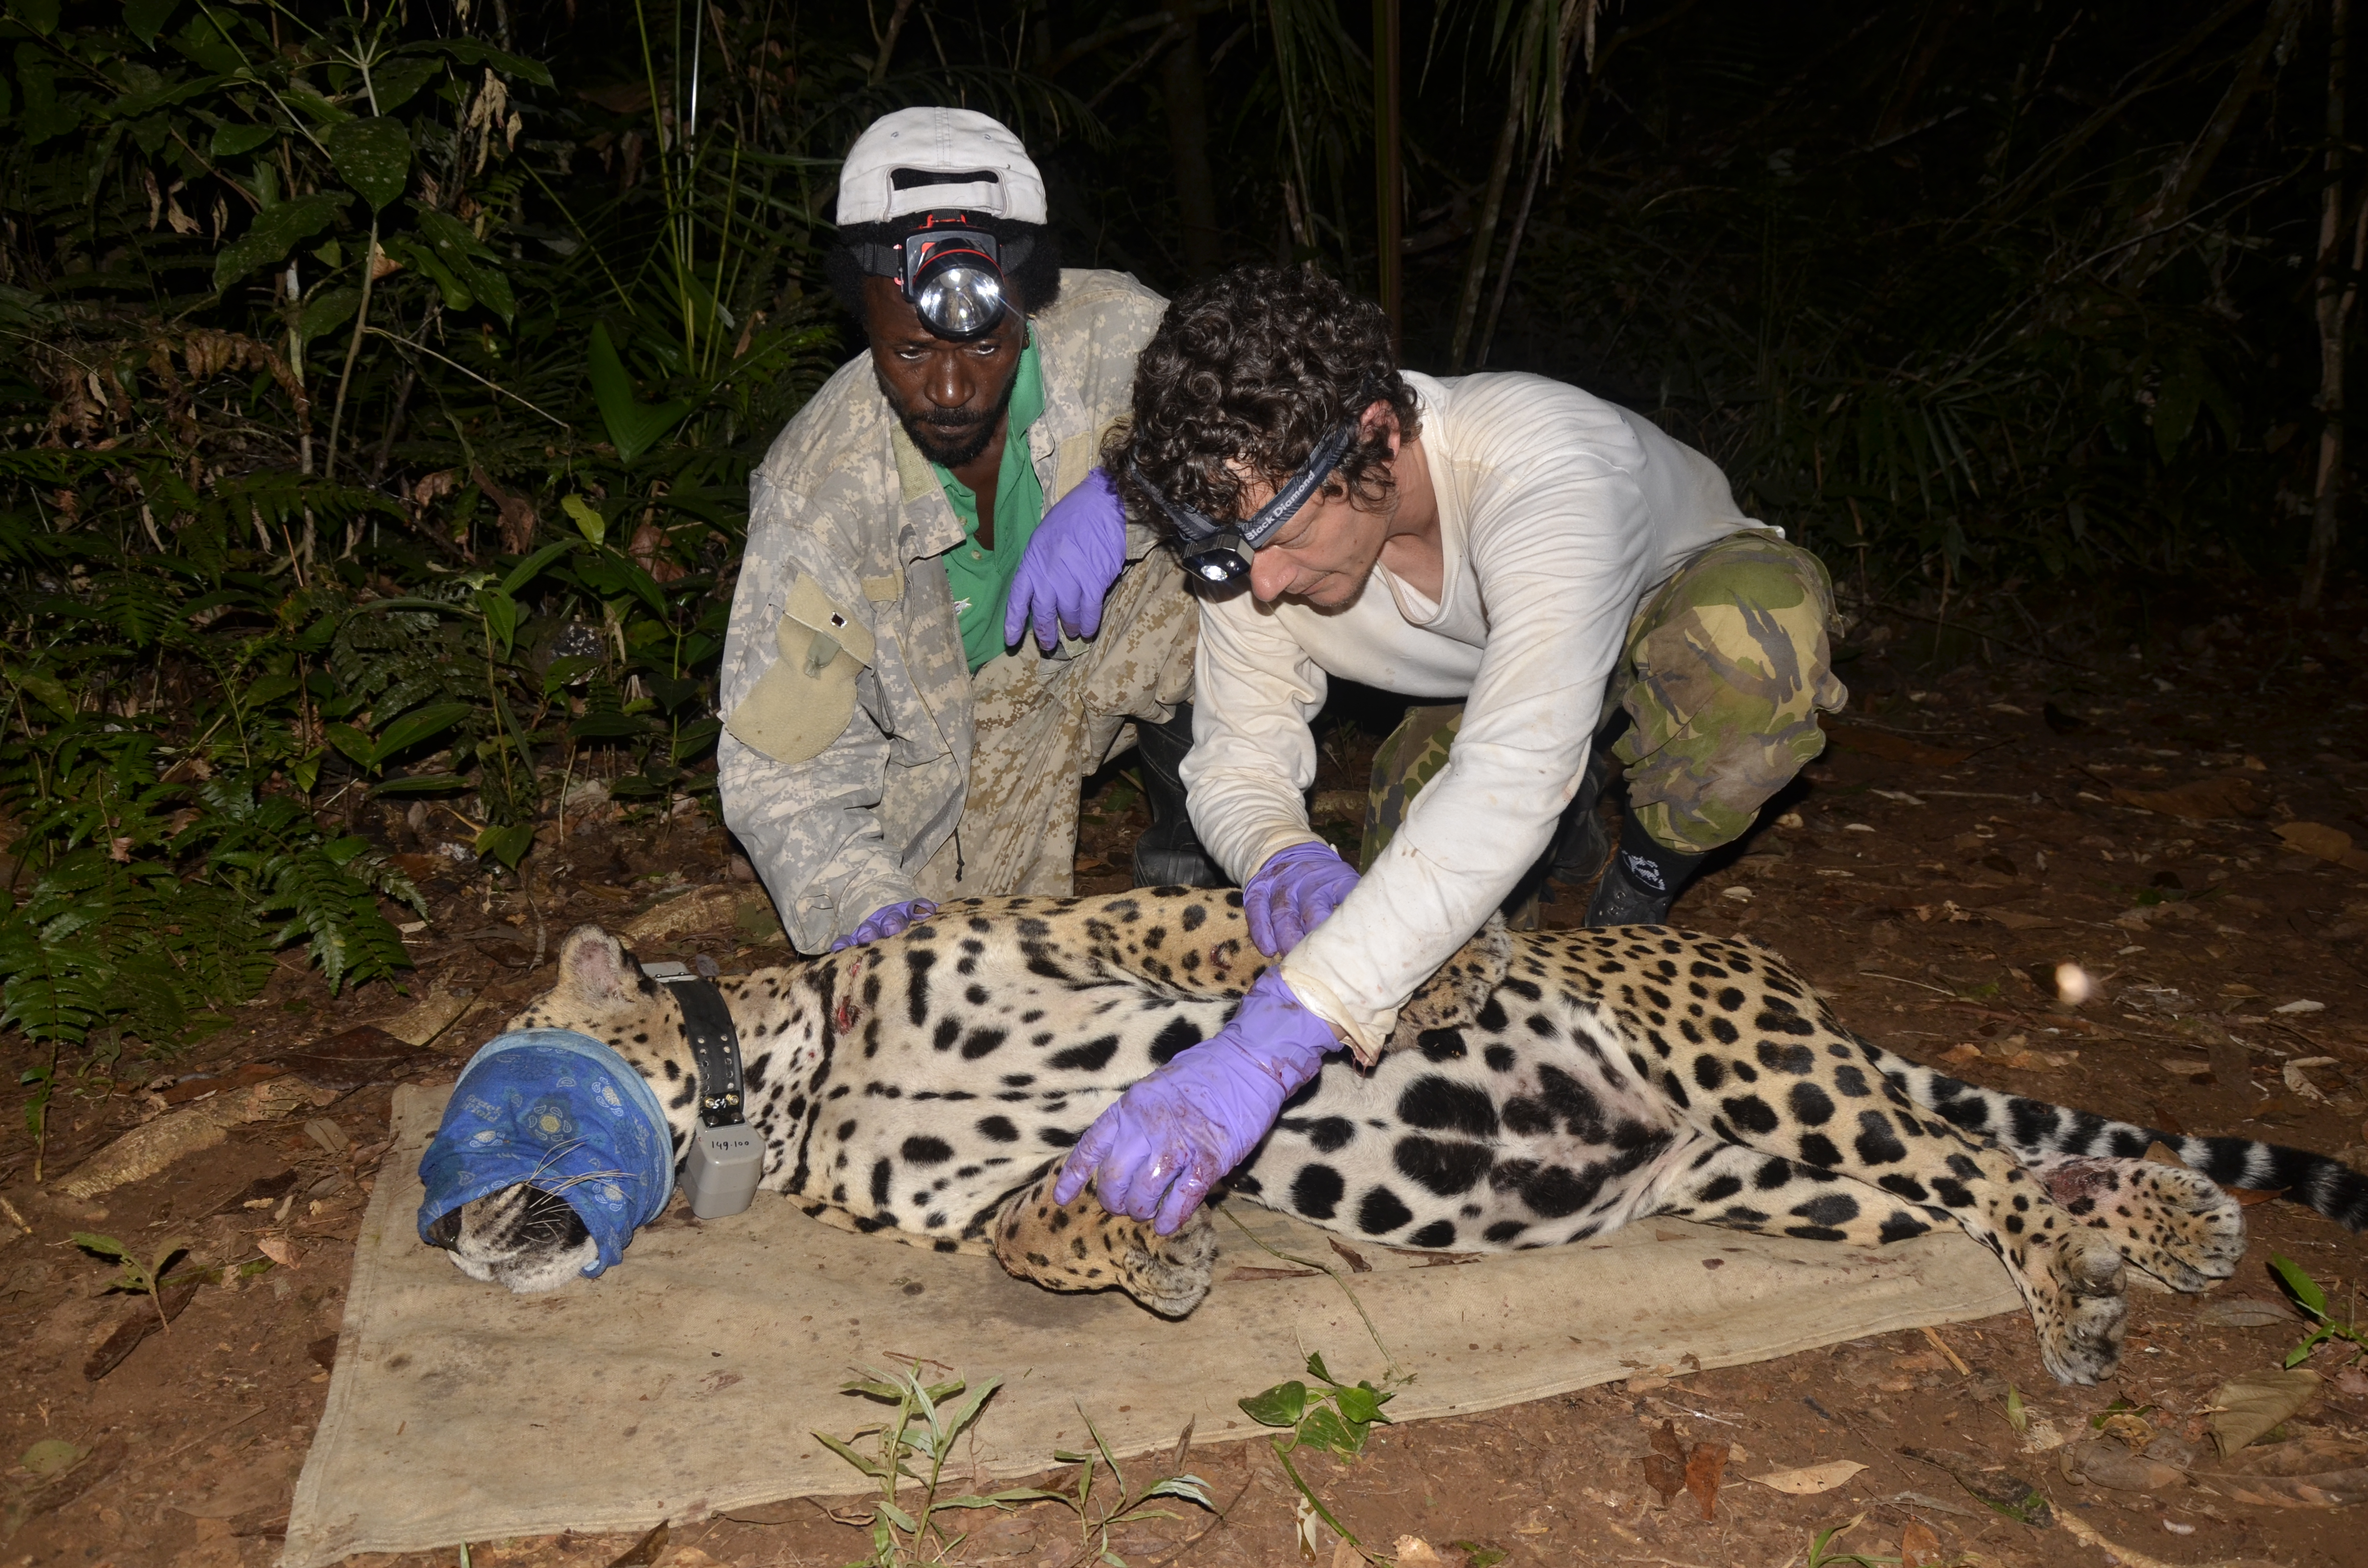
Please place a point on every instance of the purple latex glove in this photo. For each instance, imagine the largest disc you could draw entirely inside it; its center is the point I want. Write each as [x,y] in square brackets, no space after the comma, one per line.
[1072,559]
[887,921]
[1157,1153]
[1293,893]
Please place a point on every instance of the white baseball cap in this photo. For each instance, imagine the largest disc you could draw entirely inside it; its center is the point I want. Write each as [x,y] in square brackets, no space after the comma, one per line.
[939,142]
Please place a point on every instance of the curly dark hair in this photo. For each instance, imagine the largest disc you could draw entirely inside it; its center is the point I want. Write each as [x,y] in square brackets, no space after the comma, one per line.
[1256,366]
[1035,282]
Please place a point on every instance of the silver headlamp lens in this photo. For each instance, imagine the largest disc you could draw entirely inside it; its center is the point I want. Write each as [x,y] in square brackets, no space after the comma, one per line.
[959,299]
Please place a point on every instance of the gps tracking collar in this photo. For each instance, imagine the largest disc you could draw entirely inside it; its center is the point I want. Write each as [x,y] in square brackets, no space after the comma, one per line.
[951,275]
[726,1159]
[1220,553]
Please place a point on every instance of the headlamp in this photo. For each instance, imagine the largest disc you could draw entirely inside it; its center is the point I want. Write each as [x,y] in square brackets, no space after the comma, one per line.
[951,275]
[1220,553]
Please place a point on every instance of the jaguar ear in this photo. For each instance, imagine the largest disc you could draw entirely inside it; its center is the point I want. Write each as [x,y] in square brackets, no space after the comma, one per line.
[593,968]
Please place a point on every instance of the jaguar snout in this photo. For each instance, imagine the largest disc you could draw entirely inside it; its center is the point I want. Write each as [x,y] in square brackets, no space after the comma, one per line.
[444,1230]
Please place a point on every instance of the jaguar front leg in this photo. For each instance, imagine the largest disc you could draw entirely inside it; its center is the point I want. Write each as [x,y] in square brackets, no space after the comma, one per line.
[1083,1247]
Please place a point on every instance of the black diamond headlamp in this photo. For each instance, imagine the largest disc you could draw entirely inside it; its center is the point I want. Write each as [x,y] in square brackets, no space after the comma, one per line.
[1220,553]
[951,274]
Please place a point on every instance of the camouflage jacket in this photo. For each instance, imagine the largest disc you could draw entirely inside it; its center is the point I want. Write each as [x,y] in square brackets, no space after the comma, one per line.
[844,694]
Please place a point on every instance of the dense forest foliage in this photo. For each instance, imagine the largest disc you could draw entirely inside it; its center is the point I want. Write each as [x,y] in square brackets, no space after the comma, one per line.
[381,384]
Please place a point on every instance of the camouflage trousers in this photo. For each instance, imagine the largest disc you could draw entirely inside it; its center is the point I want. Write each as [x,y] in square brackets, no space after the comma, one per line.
[1040,726]
[1715,700]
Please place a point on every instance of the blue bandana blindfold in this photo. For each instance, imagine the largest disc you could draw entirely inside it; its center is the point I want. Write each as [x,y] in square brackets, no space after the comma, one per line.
[559,1111]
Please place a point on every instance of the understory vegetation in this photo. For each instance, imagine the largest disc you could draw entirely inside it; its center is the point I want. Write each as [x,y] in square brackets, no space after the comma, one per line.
[381,385]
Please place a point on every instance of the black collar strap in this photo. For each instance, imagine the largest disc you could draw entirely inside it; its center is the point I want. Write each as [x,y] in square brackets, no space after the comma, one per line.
[714,1043]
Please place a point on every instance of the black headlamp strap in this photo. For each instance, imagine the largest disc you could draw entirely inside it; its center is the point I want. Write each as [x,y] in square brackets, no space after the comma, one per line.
[888,261]
[1197,527]
[714,1044]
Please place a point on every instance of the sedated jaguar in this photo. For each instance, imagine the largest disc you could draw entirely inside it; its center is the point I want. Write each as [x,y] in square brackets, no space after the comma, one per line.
[1541,1089]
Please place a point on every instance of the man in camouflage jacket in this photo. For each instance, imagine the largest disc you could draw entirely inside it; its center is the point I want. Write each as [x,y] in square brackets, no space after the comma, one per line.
[867,766]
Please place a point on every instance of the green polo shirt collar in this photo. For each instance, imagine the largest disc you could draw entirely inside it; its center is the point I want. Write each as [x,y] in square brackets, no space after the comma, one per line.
[980,577]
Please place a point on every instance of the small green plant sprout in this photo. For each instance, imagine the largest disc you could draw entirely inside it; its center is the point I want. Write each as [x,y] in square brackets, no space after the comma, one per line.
[138,1278]
[922,1428]
[1336,1421]
[2307,1295]
[1821,1556]
[2016,1416]
[1130,1506]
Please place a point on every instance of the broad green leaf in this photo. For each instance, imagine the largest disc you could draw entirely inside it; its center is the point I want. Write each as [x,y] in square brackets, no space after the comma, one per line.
[904,1521]
[526,572]
[589,520]
[456,293]
[508,845]
[327,311]
[274,233]
[468,52]
[415,727]
[468,258]
[421,784]
[2290,1273]
[1281,1405]
[374,157]
[354,743]
[146,18]
[42,15]
[51,1456]
[1323,1428]
[392,83]
[859,1461]
[501,613]
[633,426]
[1315,1369]
[1359,1404]
[237,141]
[106,1247]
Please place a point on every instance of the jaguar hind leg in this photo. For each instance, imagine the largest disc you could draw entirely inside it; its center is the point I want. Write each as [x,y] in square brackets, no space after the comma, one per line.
[1741,1189]
[1083,1247]
[2171,1224]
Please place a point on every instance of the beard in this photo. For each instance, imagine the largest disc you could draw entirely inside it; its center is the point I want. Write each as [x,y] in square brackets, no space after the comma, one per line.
[949,439]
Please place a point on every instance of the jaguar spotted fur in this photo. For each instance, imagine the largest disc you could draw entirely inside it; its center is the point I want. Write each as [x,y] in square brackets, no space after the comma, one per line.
[1543,1088]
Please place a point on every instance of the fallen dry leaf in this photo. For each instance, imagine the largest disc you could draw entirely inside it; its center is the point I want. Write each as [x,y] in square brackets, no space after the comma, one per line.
[2247,1408]
[644,1550]
[1809,1479]
[2110,1465]
[1413,1551]
[1888,747]
[1664,1467]
[2017,920]
[1704,1466]
[2326,843]
[2243,1311]
[1918,1545]
[2230,795]
[279,1250]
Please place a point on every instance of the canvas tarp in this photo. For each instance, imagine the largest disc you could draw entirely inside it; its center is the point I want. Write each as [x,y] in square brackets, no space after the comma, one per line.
[689,1378]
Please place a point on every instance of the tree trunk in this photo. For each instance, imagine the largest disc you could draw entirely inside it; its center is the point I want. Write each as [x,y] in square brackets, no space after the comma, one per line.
[1388,185]
[2334,290]
[2184,179]
[1492,203]
[1184,84]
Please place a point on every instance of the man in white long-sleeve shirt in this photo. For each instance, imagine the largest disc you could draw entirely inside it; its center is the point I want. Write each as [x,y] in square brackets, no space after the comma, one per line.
[1546,559]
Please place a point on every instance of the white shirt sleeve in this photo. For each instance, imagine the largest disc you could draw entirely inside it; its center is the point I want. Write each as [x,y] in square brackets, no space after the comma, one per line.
[1254,693]
[1562,548]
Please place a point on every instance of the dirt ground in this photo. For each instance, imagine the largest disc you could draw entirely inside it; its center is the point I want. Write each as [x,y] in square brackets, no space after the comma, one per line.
[1967,832]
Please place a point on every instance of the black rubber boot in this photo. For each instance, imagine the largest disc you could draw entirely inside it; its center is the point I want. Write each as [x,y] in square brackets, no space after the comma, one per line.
[1169,855]
[1643,880]
[1580,844]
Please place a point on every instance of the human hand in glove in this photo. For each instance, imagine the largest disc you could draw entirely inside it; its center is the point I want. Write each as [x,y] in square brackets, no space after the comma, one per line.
[887,921]
[1293,893]
[1157,1153]
[1072,559]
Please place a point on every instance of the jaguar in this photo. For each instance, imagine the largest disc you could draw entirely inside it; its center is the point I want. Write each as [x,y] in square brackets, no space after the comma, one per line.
[1543,1088]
